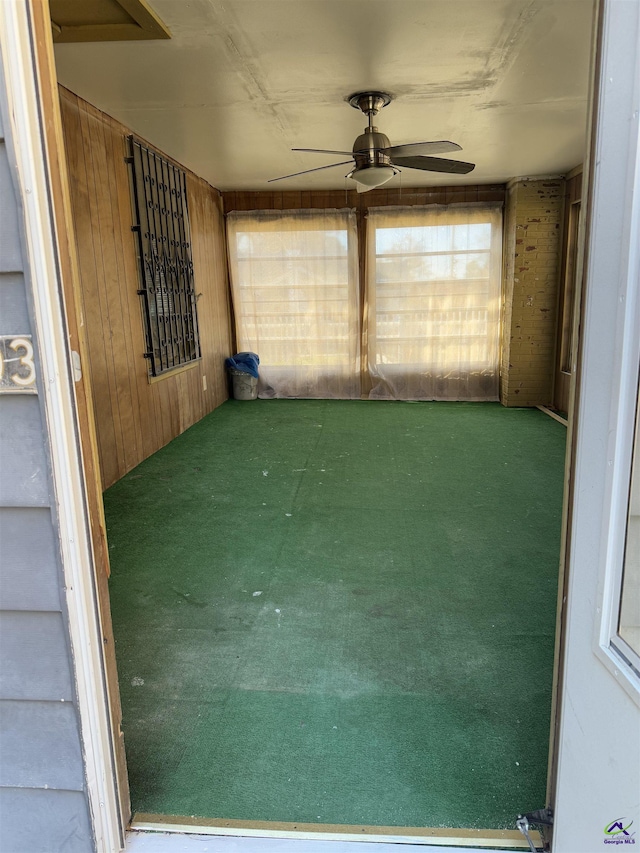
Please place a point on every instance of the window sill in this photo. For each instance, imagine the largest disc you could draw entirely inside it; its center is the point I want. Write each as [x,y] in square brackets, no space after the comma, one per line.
[175,371]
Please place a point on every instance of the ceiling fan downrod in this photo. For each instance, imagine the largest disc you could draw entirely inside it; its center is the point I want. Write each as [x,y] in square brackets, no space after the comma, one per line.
[373,163]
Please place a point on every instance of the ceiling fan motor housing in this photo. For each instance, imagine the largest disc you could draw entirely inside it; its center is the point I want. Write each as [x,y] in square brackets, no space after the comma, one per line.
[369,149]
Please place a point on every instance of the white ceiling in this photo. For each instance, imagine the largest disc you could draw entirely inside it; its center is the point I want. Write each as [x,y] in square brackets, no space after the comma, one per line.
[241,82]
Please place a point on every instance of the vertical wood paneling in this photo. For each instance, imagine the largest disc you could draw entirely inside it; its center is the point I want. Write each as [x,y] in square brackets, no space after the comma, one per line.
[136,417]
[80,178]
[130,413]
[121,207]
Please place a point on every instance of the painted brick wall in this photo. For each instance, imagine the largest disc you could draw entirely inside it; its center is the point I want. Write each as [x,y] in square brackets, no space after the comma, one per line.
[532,258]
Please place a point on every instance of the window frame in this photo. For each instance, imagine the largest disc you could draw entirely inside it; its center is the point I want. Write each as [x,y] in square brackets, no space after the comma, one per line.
[335,360]
[382,372]
[621,408]
[613,650]
[165,264]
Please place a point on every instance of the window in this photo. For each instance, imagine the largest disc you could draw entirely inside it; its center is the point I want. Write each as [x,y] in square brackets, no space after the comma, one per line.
[164,252]
[433,297]
[294,276]
[627,639]
[568,331]
[431,320]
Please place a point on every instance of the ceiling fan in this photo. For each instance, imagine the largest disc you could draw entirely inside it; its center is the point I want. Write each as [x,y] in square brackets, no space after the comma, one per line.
[375,161]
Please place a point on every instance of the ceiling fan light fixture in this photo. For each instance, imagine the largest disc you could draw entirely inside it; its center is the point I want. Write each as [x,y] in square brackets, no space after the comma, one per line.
[373,176]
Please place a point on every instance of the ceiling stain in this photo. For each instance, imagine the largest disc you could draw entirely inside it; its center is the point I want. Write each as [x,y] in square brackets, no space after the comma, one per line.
[242,82]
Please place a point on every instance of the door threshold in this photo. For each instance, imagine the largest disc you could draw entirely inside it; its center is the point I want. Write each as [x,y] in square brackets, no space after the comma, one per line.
[509,839]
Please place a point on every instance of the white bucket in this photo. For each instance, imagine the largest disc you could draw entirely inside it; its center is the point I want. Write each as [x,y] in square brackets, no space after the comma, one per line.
[245,386]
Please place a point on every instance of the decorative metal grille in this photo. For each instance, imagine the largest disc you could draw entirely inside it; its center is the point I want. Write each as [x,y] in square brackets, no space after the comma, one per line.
[164,251]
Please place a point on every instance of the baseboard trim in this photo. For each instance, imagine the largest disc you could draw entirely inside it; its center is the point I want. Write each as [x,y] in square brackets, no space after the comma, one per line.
[553,415]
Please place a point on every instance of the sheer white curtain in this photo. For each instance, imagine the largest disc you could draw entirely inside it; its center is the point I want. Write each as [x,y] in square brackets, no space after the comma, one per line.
[433,302]
[294,278]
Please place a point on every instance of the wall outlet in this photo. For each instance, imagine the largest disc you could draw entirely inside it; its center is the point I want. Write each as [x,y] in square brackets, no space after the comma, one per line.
[204,383]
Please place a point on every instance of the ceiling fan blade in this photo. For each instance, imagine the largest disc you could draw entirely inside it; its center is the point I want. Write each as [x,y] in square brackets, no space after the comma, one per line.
[434,164]
[323,151]
[306,171]
[421,148]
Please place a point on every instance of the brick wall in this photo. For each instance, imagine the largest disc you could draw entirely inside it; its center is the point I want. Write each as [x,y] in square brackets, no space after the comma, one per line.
[532,259]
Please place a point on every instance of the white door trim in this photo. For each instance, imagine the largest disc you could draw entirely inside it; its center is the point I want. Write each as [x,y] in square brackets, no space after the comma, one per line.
[164,842]
[618,175]
[59,406]
[598,776]
[56,388]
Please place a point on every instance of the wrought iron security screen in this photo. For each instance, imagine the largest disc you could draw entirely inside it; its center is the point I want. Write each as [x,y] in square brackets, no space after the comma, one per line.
[164,251]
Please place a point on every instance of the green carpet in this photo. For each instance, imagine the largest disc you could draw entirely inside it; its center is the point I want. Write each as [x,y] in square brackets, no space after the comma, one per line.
[340,612]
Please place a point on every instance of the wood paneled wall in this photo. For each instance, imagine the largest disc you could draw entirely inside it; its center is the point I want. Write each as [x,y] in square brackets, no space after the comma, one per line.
[360,201]
[136,416]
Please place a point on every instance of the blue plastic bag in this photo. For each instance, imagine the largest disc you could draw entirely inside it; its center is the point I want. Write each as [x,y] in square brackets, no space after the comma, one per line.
[245,362]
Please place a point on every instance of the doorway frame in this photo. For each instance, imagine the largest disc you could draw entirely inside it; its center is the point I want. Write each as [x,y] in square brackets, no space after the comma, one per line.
[30,42]
[27,54]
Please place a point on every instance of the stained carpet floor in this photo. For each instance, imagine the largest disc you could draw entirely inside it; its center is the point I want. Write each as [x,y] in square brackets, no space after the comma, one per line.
[340,612]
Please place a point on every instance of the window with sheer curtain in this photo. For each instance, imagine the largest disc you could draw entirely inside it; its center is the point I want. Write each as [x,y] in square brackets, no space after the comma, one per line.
[294,279]
[433,302]
[431,321]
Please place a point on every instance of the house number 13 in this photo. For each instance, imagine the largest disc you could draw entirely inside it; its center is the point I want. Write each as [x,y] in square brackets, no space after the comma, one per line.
[17,370]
